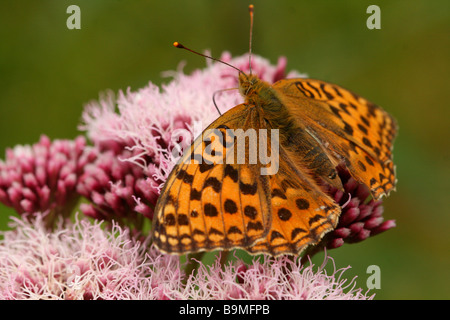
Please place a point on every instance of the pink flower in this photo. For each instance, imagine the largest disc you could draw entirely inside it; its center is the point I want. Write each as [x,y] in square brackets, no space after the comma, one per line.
[271,278]
[117,189]
[84,261]
[361,217]
[43,177]
[80,261]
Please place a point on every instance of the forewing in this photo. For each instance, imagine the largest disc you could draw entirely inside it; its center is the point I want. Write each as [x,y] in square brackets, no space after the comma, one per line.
[352,129]
[208,202]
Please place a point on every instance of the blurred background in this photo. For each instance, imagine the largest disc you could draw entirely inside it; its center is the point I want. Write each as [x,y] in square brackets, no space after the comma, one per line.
[48,73]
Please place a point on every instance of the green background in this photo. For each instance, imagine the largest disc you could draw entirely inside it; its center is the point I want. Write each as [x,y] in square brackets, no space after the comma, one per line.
[47,74]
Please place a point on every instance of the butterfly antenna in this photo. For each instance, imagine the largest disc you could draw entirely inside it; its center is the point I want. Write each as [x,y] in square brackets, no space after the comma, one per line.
[215,104]
[180,46]
[250,9]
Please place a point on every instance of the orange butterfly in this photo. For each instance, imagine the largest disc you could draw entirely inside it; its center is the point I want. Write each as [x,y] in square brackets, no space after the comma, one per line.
[207,205]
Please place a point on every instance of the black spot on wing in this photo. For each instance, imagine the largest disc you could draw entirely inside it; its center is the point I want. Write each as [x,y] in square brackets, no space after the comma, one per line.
[248,189]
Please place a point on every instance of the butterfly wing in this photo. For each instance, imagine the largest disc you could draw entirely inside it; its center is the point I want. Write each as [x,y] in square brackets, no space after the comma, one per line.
[301,212]
[210,202]
[229,205]
[353,130]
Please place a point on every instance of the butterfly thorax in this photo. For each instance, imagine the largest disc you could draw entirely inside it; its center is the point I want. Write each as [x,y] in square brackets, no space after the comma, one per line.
[266,99]
[256,91]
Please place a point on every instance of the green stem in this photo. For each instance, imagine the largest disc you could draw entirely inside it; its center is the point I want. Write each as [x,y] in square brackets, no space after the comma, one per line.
[192,262]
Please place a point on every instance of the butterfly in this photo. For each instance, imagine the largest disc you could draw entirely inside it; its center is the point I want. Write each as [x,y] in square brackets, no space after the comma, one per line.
[207,204]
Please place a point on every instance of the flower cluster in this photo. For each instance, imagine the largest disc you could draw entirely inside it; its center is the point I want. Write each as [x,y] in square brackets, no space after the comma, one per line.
[273,279]
[84,261]
[361,215]
[44,177]
[116,189]
[78,261]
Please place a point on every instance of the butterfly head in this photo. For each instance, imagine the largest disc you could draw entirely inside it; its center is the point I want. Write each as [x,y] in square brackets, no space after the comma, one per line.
[257,92]
[249,85]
